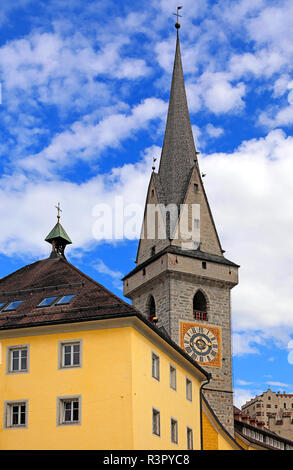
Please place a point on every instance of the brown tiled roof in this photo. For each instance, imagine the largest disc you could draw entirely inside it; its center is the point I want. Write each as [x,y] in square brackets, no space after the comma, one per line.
[55,277]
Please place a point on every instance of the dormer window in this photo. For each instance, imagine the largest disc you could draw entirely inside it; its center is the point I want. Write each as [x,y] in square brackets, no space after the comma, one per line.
[12,306]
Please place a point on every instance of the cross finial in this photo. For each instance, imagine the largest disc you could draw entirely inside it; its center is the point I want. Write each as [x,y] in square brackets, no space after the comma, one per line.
[177,24]
[58,211]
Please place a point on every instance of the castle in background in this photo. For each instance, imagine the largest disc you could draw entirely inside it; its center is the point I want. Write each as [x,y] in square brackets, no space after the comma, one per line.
[272,409]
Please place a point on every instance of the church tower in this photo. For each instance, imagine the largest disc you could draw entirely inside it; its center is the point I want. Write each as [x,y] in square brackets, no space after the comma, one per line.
[182,281]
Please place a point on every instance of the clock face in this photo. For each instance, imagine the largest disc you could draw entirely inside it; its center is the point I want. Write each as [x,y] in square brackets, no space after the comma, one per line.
[202,343]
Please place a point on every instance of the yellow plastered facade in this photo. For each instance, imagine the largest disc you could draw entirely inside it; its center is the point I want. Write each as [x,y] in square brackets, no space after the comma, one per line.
[115,386]
[215,438]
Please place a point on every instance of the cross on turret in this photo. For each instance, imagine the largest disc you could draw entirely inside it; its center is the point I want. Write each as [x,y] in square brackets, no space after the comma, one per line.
[58,211]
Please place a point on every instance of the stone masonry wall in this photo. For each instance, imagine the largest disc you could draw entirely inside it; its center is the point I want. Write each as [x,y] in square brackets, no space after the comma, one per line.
[173,293]
[182,290]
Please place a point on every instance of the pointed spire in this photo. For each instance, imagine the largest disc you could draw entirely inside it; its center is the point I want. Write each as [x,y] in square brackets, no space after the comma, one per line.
[178,154]
[58,238]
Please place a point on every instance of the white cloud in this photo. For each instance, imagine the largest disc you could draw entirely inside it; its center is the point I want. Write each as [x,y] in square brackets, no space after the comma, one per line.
[246,343]
[277,118]
[214,131]
[222,97]
[277,384]
[32,202]
[41,58]
[243,382]
[281,85]
[251,194]
[215,92]
[262,63]
[116,276]
[241,396]
[85,140]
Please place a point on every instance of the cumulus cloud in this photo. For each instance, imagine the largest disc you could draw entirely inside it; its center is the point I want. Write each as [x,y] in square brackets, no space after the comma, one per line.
[222,97]
[241,396]
[84,140]
[251,194]
[25,197]
[116,276]
[246,343]
[215,92]
[277,384]
[214,131]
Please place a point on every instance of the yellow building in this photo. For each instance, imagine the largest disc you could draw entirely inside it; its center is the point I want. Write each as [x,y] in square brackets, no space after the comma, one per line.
[81,369]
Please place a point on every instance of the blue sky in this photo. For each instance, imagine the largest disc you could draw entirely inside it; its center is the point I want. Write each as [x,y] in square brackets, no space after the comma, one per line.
[85,87]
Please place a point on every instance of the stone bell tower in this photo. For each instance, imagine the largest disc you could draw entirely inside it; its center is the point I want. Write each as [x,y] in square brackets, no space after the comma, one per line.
[182,280]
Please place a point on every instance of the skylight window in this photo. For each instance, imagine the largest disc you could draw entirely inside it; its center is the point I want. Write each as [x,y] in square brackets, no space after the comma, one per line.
[47,302]
[57,300]
[65,299]
[12,305]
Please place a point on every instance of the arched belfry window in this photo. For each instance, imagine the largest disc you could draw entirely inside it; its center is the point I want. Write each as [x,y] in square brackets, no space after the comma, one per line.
[200,306]
[151,308]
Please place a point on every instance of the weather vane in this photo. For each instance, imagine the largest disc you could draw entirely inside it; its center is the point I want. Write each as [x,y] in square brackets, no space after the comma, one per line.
[58,211]
[177,25]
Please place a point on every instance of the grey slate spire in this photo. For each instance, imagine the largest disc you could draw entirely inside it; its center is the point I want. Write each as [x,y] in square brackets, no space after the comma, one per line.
[178,153]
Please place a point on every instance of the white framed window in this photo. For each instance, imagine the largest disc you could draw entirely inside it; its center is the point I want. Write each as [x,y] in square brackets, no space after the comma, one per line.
[173,377]
[16,414]
[174,431]
[17,359]
[155,366]
[188,389]
[189,436]
[156,422]
[68,410]
[70,354]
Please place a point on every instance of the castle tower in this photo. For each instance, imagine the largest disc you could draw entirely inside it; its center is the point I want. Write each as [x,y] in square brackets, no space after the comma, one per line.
[181,280]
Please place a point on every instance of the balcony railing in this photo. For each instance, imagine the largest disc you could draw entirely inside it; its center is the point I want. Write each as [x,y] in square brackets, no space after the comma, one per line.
[199,315]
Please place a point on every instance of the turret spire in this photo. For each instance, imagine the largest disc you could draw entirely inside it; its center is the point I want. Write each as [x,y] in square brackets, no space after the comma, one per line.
[58,237]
